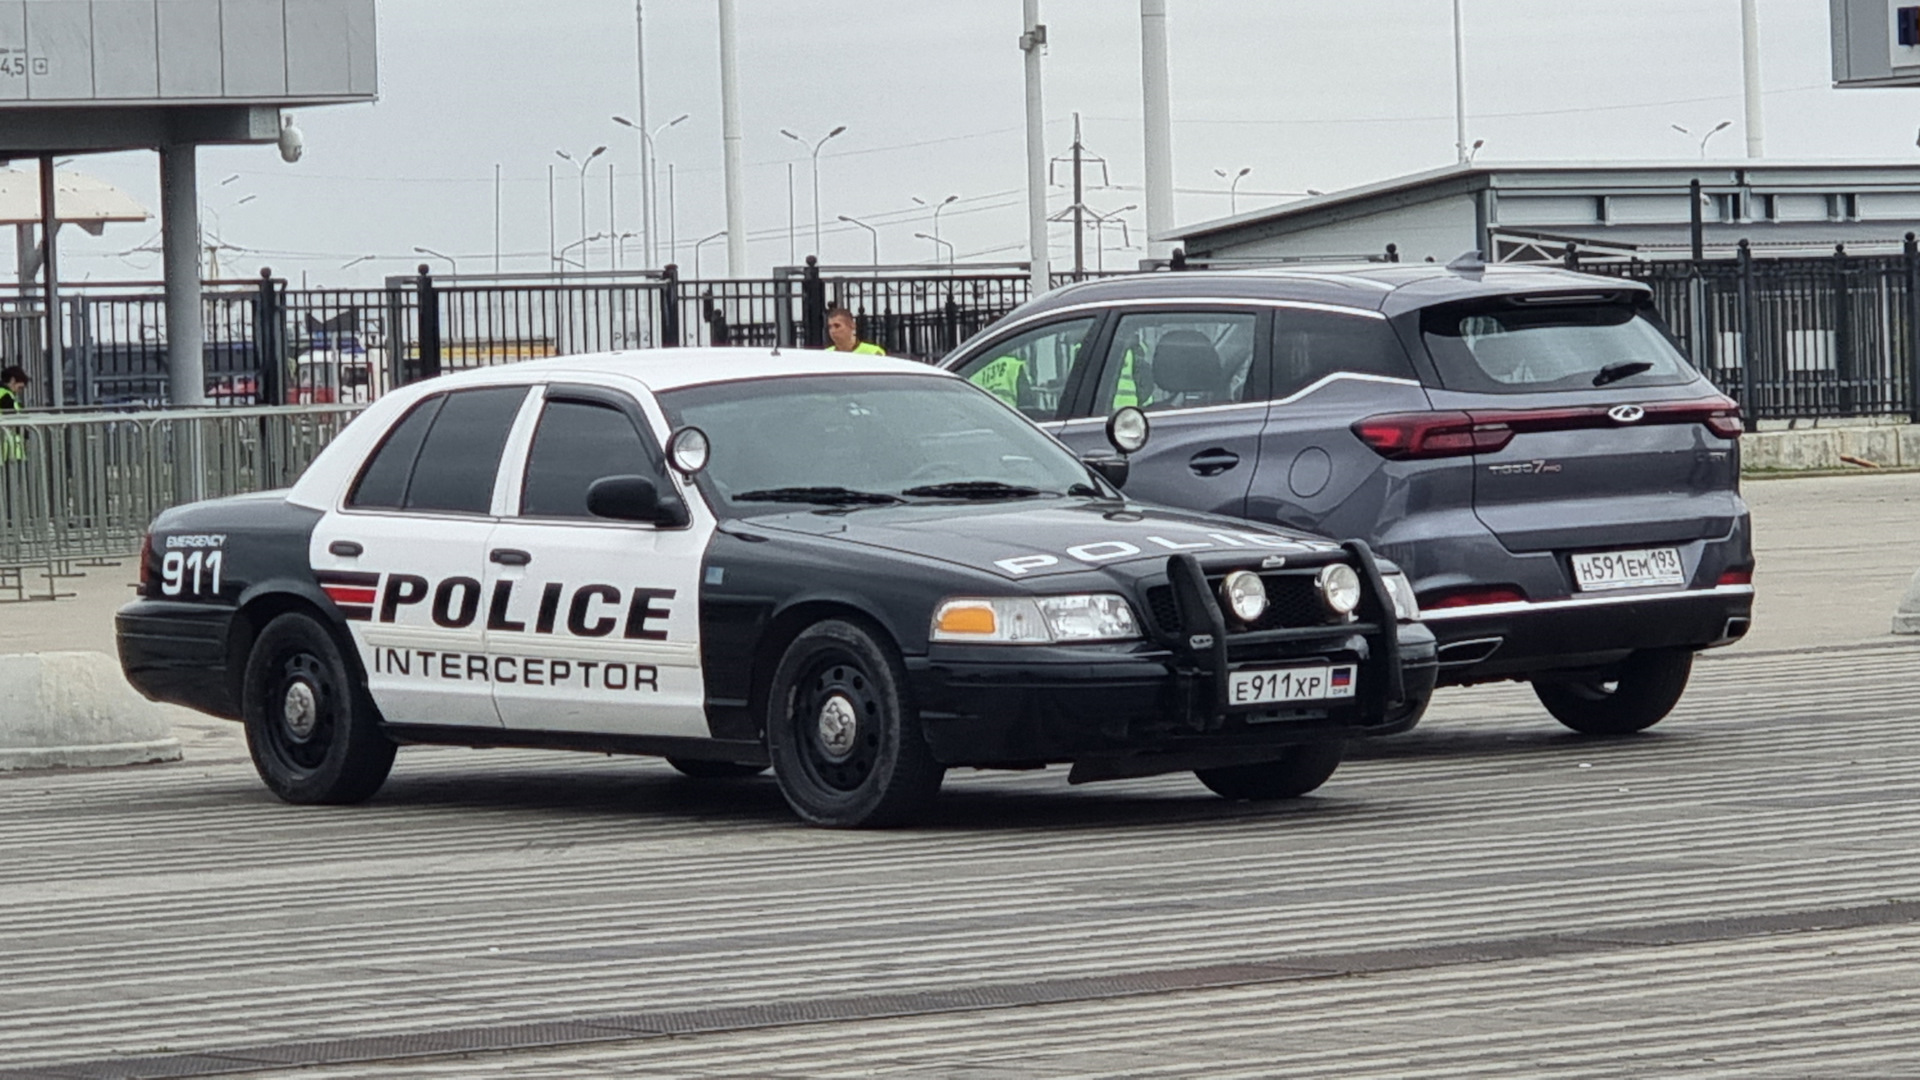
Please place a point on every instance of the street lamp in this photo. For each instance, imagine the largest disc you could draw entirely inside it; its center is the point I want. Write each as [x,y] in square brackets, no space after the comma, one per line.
[696,250]
[816,177]
[437,255]
[1233,187]
[937,245]
[871,231]
[1717,129]
[581,164]
[563,251]
[937,207]
[358,261]
[649,181]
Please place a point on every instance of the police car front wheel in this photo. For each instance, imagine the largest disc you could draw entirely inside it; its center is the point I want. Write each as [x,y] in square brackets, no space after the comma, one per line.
[847,749]
[312,733]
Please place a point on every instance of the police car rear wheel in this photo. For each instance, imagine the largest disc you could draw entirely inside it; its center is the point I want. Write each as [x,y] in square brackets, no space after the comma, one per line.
[846,746]
[715,770]
[1300,771]
[312,734]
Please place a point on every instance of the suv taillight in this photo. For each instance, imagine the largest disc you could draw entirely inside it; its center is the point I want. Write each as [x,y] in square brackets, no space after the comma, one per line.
[1429,435]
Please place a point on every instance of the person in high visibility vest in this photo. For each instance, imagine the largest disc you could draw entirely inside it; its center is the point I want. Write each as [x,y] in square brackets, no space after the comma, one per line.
[1125,390]
[843,335]
[13,383]
[1006,378]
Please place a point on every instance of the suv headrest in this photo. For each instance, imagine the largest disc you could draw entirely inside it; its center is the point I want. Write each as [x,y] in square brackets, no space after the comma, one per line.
[1185,362]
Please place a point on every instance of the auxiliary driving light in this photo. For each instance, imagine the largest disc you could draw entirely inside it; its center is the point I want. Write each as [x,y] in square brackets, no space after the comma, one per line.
[1244,595]
[1339,588]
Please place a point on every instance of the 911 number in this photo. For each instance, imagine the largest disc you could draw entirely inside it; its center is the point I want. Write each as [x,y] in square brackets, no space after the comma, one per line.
[195,573]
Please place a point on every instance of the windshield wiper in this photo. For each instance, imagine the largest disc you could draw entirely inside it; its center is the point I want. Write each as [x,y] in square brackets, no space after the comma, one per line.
[827,496]
[1626,369]
[972,489]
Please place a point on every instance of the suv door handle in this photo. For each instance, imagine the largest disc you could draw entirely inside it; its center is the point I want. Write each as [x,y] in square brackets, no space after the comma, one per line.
[510,556]
[346,549]
[1213,462]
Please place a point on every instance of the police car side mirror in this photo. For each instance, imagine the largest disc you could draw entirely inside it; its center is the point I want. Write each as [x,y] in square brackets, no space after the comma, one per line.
[1127,429]
[625,498]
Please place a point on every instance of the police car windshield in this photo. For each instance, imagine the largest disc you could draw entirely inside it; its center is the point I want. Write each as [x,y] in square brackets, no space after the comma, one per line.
[885,436]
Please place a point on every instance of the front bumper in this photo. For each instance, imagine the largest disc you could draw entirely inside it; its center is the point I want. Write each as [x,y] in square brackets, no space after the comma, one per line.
[177,653]
[1513,640]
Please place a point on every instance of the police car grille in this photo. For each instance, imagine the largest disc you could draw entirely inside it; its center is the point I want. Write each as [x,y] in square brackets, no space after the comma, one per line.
[1292,601]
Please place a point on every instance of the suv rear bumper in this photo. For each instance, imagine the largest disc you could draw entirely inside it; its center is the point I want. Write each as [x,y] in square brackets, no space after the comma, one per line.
[1505,641]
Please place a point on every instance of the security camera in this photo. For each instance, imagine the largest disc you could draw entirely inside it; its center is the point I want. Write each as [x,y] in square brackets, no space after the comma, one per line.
[291,141]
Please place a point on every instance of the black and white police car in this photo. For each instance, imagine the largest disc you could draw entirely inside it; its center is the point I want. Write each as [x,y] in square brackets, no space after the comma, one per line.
[859,571]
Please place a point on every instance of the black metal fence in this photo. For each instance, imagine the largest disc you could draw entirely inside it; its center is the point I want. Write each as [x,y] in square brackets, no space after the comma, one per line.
[1788,337]
[1796,338]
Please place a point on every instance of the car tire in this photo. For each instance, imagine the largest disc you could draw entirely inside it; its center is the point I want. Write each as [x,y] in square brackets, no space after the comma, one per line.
[1648,685]
[700,769]
[845,740]
[311,729]
[1301,770]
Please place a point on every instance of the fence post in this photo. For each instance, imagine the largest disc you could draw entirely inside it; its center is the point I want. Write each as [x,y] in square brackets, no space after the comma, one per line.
[813,304]
[1912,253]
[670,306]
[782,308]
[718,332]
[1843,335]
[1696,227]
[396,336]
[429,324]
[269,343]
[1747,331]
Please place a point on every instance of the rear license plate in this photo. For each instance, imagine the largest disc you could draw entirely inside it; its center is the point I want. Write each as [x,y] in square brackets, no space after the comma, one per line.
[1601,570]
[1273,686]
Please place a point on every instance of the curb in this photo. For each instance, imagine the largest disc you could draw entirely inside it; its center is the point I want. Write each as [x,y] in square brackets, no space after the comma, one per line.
[75,709]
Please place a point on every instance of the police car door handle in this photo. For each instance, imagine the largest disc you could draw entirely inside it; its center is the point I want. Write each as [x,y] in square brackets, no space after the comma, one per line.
[1213,462]
[346,549]
[510,556]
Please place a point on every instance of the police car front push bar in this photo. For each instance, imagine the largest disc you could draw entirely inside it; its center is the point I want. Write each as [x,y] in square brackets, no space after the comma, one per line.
[1203,627]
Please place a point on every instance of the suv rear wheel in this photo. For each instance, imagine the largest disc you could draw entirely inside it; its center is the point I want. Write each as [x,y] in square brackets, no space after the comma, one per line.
[1644,690]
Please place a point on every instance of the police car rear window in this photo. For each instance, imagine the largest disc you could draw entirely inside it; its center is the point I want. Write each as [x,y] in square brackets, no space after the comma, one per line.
[443,455]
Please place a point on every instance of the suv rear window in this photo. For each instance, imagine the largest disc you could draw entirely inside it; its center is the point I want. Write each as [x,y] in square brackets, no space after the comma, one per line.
[1511,349]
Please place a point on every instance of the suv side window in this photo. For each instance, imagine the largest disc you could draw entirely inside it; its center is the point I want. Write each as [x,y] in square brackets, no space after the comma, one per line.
[1177,360]
[577,443]
[1310,345]
[444,457]
[1030,370]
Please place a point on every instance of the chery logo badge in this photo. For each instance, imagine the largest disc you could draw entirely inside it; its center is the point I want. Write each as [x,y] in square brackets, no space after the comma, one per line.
[1626,414]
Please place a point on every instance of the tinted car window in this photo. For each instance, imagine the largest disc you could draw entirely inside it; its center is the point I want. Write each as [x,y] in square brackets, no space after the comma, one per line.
[1310,345]
[457,462]
[1177,360]
[1512,349]
[577,443]
[383,483]
[1029,371]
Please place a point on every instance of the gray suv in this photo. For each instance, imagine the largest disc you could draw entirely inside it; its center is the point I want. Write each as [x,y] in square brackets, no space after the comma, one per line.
[1527,443]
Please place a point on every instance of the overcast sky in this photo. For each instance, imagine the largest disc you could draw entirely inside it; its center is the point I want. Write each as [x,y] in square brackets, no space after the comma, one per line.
[1308,93]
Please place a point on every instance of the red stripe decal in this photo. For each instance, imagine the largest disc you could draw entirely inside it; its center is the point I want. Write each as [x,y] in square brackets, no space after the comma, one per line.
[348,594]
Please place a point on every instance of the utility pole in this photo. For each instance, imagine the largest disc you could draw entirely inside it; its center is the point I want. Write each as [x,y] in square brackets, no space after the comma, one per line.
[1032,40]
[1077,213]
[496,217]
[646,149]
[1459,87]
[1159,125]
[1750,69]
[730,141]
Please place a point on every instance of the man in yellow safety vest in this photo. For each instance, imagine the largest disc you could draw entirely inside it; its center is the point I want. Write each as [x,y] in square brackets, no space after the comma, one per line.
[13,383]
[844,336]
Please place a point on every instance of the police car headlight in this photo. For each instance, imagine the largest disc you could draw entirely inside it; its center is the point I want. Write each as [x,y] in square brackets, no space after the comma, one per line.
[1244,595]
[1035,620]
[1406,607]
[1339,588]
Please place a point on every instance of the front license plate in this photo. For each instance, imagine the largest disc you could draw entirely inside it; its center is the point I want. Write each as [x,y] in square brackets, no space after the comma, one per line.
[1603,570]
[1272,686]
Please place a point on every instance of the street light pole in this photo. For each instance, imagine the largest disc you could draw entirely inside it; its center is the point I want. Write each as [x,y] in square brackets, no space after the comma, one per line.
[698,244]
[429,251]
[875,233]
[937,245]
[815,151]
[1459,86]
[581,164]
[1233,187]
[649,168]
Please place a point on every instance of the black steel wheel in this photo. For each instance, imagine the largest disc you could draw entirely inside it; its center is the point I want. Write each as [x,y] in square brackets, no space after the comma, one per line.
[312,732]
[845,742]
[1302,769]
[1644,689]
[701,769]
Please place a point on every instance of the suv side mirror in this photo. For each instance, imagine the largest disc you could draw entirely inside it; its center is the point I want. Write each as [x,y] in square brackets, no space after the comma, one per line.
[629,498]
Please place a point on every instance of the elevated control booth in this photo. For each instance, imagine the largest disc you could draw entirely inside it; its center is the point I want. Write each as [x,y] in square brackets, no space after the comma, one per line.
[90,76]
[1875,43]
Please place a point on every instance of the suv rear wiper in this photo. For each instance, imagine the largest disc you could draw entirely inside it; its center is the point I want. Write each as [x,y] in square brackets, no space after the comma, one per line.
[972,489]
[828,496]
[1626,369]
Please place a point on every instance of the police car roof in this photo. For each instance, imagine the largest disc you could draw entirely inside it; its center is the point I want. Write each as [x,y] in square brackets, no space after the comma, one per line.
[671,369]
